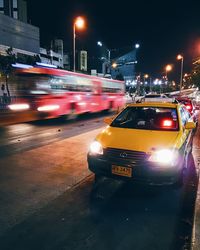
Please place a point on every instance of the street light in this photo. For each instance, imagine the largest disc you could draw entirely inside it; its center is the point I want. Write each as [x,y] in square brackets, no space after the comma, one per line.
[106,65]
[146,76]
[114,65]
[99,43]
[167,69]
[137,45]
[79,23]
[180,57]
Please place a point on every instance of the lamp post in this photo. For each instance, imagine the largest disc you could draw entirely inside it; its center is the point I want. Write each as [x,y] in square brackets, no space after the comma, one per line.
[106,63]
[146,76]
[180,57]
[79,23]
[167,69]
[99,43]
[137,46]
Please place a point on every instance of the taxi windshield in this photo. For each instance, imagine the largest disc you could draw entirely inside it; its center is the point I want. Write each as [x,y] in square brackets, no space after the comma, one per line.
[148,118]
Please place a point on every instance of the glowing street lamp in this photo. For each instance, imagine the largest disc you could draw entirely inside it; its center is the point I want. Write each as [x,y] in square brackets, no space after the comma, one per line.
[79,23]
[145,77]
[106,65]
[99,43]
[180,57]
[114,65]
[167,69]
[137,45]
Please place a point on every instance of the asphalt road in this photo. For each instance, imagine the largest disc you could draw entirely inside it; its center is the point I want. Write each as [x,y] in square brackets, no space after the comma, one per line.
[25,136]
[47,200]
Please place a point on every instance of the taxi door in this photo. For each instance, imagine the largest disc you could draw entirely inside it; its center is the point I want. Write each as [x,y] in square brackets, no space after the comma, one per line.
[187,135]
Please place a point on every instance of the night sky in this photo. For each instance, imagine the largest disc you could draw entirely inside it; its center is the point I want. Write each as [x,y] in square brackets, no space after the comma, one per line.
[163,28]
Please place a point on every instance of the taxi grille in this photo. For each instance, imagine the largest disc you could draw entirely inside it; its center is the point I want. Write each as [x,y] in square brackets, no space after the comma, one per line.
[126,156]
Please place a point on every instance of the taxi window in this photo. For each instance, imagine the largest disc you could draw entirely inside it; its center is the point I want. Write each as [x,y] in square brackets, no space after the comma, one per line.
[149,118]
[187,114]
[184,116]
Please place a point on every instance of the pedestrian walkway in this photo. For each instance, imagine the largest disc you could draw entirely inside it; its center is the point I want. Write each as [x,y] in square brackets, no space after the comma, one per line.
[196,224]
[31,179]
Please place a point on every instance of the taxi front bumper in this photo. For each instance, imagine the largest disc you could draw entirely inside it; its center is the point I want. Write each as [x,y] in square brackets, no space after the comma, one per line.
[146,172]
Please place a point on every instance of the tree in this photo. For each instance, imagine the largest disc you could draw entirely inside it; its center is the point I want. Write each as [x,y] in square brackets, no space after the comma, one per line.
[9,59]
[195,75]
[6,66]
[27,59]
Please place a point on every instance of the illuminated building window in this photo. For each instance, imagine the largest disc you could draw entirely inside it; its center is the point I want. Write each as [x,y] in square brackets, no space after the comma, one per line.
[15,14]
[1,4]
[14,4]
[15,9]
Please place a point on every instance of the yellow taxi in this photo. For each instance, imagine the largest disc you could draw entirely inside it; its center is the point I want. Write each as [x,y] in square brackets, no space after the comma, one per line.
[147,142]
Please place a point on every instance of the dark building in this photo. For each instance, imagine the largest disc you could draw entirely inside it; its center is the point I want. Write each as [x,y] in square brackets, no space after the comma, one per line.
[14,30]
[14,8]
[125,66]
[18,35]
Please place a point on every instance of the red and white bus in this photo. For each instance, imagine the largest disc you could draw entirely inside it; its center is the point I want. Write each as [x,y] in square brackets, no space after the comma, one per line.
[54,92]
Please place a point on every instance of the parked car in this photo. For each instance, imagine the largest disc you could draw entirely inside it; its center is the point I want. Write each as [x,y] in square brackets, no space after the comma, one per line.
[189,104]
[147,142]
[157,98]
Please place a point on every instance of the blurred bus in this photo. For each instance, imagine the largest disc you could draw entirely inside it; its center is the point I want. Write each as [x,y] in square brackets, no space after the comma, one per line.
[54,92]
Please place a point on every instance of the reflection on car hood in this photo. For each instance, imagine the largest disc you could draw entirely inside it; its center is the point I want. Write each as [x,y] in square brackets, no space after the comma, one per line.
[139,140]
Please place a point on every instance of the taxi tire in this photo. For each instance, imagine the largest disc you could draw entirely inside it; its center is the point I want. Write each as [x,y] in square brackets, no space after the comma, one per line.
[94,191]
[182,180]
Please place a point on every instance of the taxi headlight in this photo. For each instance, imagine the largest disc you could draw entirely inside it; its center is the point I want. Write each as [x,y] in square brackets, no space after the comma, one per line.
[164,156]
[96,148]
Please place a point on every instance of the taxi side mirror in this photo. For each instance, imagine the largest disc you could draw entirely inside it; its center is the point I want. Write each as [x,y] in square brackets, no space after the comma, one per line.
[108,120]
[190,125]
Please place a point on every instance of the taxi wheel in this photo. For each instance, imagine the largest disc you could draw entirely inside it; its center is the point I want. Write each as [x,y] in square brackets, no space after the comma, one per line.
[182,180]
[94,191]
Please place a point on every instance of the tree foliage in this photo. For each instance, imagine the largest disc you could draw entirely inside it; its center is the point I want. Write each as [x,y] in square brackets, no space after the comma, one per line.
[6,67]
[10,58]
[196,75]
[7,61]
[26,59]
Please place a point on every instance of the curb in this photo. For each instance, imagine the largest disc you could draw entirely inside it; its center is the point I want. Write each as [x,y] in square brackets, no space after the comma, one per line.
[17,117]
[195,244]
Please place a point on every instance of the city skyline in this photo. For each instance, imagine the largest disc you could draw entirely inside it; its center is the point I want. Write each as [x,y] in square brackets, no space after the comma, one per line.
[162,31]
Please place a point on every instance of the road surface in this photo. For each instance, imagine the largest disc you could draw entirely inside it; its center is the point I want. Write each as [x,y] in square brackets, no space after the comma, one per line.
[46,201]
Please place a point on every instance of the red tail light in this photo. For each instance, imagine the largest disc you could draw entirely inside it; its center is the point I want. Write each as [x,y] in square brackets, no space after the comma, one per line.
[167,123]
[188,107]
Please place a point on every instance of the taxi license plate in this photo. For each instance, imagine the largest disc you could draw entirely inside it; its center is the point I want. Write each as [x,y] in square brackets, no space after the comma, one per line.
[122,171]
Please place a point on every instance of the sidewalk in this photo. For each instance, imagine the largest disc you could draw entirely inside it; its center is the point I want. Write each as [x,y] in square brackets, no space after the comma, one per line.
[31,179]
[8,118]
[196,224]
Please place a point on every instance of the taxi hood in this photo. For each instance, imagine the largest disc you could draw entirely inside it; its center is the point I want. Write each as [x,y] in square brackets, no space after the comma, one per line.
[137,139]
